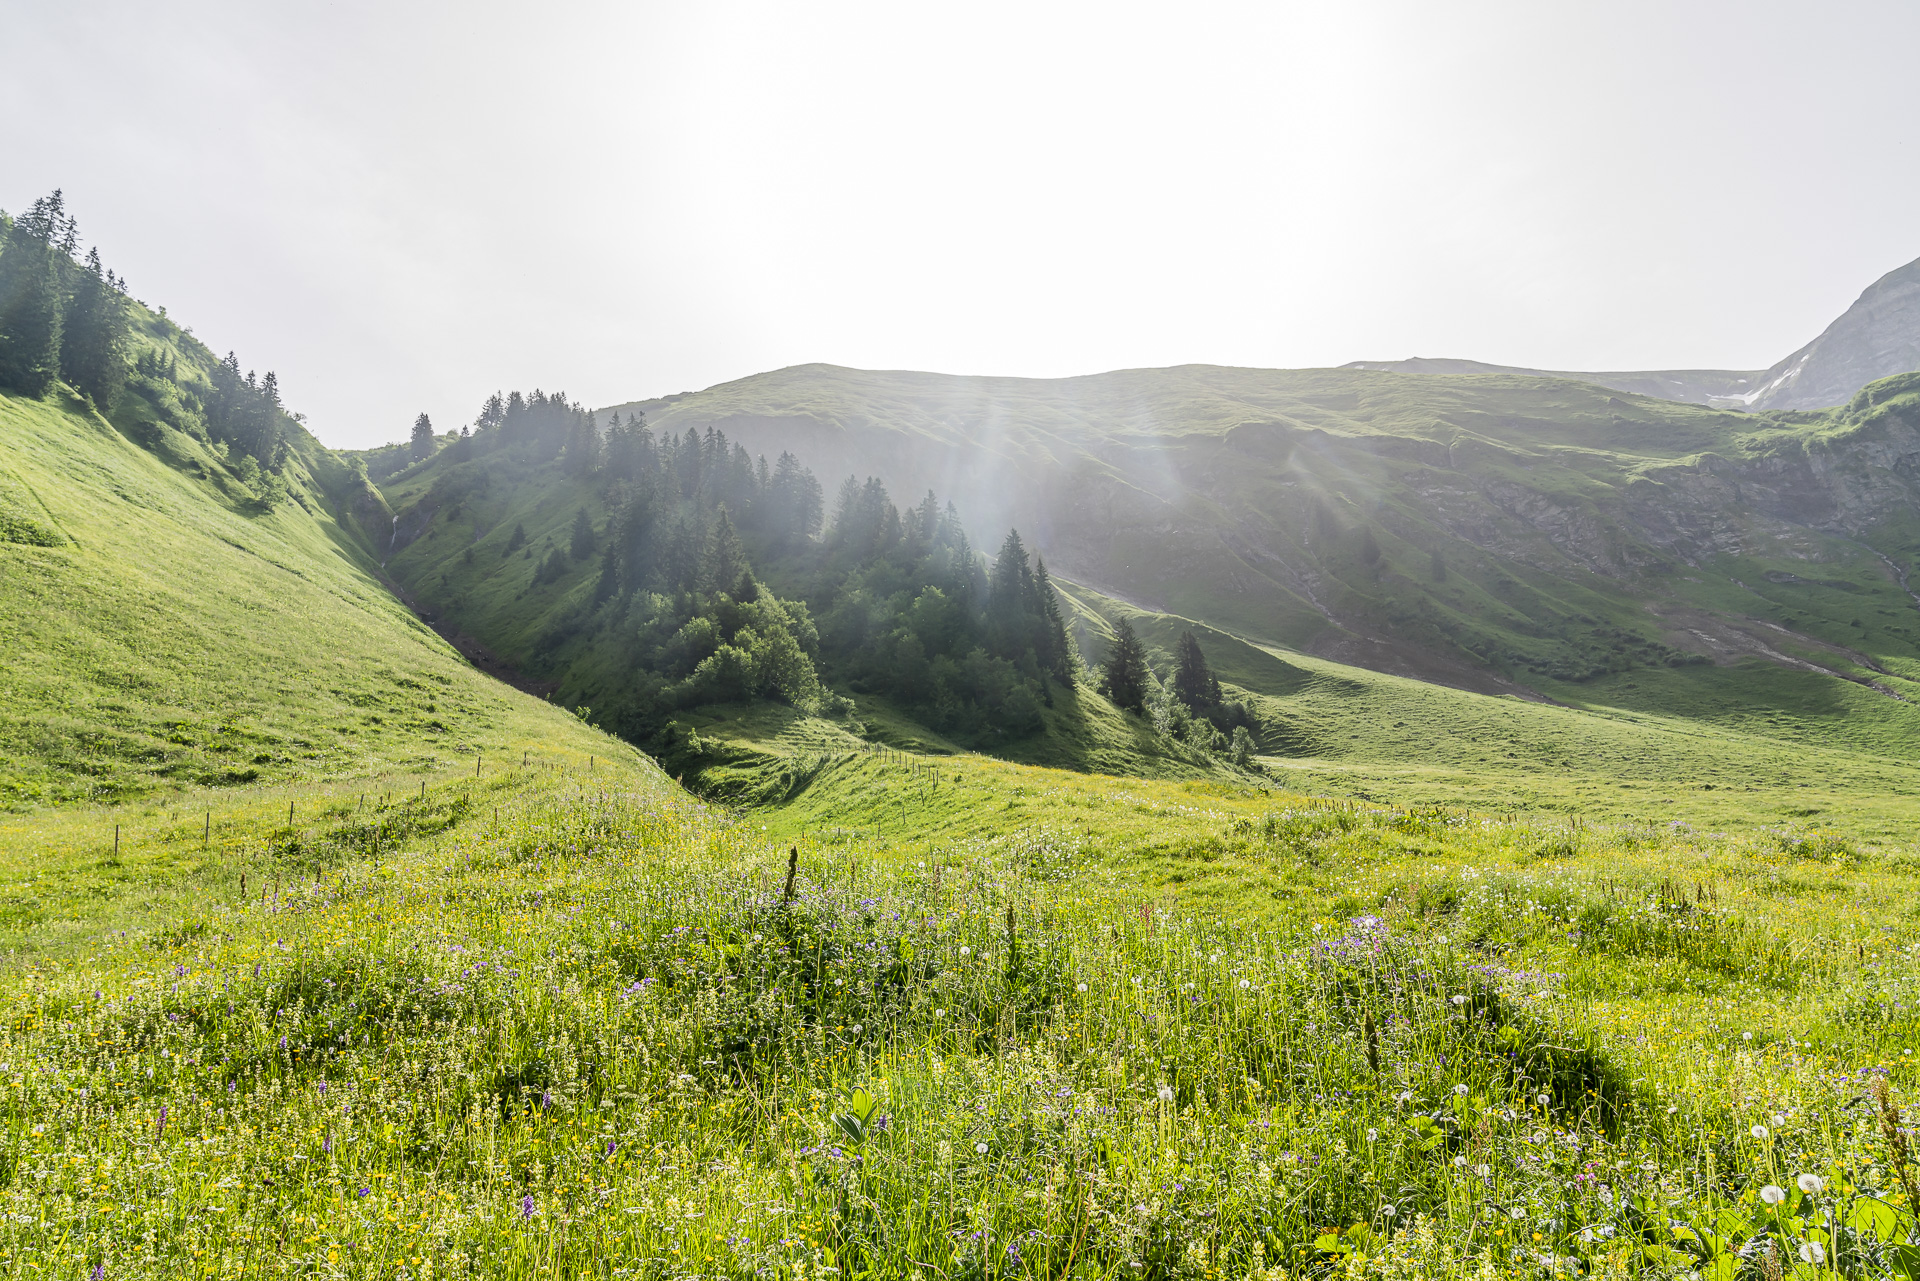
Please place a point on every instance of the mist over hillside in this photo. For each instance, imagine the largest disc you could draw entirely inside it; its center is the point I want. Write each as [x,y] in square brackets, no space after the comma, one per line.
[1491,531]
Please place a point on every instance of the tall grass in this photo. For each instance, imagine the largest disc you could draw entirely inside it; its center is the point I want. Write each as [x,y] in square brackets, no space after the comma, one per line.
[605,1034]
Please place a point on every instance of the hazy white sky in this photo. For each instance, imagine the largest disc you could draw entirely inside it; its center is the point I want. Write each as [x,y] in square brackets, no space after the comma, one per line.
[402,206]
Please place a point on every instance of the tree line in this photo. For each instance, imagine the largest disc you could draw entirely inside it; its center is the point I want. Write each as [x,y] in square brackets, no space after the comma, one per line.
[716,576]
[62,318]
[68,319]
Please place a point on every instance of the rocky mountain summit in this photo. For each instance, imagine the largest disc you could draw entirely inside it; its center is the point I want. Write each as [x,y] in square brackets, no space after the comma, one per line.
[1877,337]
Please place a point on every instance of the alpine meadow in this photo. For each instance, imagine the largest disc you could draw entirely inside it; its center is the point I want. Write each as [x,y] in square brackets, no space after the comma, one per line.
[1376,822]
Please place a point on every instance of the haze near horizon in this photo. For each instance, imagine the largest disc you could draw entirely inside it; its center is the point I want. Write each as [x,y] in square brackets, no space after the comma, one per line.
[402,207]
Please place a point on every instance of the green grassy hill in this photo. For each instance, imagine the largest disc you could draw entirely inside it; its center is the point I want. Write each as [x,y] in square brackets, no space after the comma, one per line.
[1492,532]
[954,1014]
[164,632]
[1467,982]
[1804,730]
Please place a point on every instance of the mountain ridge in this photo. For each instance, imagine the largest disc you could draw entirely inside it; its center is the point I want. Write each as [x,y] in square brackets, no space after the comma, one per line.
[1877,337]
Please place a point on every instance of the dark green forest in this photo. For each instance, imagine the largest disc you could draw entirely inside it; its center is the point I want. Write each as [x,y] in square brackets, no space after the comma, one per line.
[714,577]
[67,318]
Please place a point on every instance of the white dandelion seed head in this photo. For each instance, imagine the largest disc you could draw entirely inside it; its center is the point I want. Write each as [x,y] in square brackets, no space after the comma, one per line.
[1166,1094]
[981,1148]
[1544,1100]
[966,951]
[939,1014]
[1519,1211]
[1811,1184]
[1458,1000]
[1373,1135]
[1460,1090]
[1484,1171]
[1779,1118]
[1081,988]
[1746,1036]
[1672,1108]
[1773,1195]
[1460,1163]
[1245,984]
[1759,1131]
[1388,1211]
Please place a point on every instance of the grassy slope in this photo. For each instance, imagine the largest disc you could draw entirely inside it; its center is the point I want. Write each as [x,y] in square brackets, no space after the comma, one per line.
[1578,533]
[459,518]
[1797,746]
[562,1024]
[177,637]
[1759,753]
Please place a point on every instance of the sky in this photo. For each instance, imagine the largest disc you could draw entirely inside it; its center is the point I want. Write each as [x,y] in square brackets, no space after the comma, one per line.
[401,206]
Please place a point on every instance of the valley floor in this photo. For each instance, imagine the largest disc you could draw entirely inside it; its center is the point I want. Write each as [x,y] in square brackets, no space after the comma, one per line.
[915,1015]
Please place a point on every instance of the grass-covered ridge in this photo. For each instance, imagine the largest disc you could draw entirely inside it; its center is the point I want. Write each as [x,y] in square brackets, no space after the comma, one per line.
[164,631]
[1495,532]
[595,1027]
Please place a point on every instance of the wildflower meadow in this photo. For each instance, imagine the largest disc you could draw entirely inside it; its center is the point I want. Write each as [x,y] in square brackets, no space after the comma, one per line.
[589,1026]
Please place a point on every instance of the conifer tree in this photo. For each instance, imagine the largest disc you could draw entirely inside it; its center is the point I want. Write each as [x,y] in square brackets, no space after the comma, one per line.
[1193,681]
[726,559]
[1010,584]
[583,445]
[30,309]
[422,442]
[580,546]
[1056,656]
[609,581]
[1124,676]
[93,342]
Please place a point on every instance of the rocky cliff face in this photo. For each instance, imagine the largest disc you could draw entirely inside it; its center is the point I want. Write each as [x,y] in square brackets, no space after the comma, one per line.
[1877,337]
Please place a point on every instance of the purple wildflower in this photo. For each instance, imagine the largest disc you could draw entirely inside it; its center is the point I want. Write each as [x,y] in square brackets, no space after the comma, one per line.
[526,1206]
[163,1122]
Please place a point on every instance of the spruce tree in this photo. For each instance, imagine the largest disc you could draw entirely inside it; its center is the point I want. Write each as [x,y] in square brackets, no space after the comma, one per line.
[269,431]
[1056,655]
[609,581]
[30,311]
[726,559]
[583,445]
[1193,681]
[93,342]
[581,544]
[422,442]
[1124,676]
[1010,583]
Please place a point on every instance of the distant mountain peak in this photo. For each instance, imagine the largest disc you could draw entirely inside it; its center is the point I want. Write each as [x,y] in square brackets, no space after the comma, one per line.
[1877,337]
